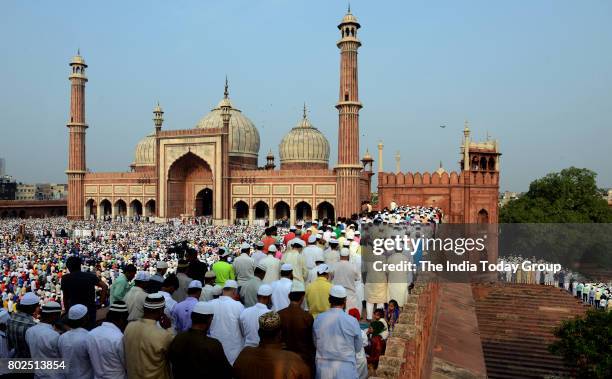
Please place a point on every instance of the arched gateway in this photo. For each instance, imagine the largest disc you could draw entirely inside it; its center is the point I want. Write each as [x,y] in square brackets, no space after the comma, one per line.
[189,193]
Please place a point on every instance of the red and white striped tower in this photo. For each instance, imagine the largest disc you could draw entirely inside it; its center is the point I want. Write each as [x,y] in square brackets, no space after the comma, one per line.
[348,168]
[76,145]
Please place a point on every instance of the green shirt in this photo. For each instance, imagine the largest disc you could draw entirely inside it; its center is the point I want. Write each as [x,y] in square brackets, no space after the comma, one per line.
[119,288]
[223,271]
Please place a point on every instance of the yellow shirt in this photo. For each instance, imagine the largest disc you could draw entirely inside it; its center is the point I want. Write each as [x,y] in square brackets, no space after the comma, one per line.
[317,296]
[146,348]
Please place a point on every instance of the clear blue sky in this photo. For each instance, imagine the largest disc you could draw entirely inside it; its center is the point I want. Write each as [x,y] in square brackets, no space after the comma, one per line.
[537,75]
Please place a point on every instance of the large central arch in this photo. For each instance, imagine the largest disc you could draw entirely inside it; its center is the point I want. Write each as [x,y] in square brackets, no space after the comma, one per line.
[188,177]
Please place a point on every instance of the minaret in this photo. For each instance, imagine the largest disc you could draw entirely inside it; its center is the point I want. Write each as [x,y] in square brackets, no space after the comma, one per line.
[398,167]
[348,169]
[225,186]
[158,117]
[380,157]
[76,145]
[270,161]
[466,147]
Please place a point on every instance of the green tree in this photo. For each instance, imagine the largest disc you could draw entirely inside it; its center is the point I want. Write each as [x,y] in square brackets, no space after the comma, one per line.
[586,344]
[569,196]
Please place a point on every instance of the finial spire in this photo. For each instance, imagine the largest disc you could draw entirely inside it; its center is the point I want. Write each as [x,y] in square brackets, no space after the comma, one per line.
[226,92]
[440,164]
[304,115]
[78,51]
[349,8]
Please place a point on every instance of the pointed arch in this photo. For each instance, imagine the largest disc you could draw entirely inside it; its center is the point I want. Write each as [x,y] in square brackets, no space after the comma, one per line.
[282,211]
[262,210]
[241,209]
[303,211]
[326,210]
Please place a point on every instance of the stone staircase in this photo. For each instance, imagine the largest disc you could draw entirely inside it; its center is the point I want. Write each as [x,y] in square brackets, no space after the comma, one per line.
[516,323]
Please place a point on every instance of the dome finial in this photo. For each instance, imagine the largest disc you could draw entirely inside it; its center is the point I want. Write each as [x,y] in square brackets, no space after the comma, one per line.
[304,111]
[226,91]
[349,8]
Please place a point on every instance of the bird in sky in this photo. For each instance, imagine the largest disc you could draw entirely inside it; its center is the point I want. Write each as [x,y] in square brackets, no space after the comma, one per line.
[443,126]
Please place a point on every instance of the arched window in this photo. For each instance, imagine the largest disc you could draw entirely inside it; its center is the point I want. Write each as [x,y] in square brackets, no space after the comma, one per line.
[483,217]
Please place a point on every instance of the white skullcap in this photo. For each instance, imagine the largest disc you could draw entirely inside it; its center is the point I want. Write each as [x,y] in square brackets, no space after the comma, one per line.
[203,308]
[210,274]
[297,286]
[51,307]
[333,240]
[264,290]
[162,264]
[344,252]
[287,267]
[77,312]
[295,241]
[338,291]
[155,301]
[262,267]
[195,284]
[245,246]
[142,276]
[292,228]
[230,284]
[118,307]
[272,248]
[346,243]
[322,268]
[4,316]
[259,244]
[217,290]
[312,238]
[29,299]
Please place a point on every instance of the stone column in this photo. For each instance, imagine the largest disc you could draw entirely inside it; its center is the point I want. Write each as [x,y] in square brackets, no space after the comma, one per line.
[251,215]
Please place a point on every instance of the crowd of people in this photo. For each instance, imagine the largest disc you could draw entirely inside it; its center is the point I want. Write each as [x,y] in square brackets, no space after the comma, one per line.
[595,294]
[146,300]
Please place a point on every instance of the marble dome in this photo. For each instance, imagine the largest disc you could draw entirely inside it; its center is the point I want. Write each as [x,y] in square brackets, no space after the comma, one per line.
[304,146]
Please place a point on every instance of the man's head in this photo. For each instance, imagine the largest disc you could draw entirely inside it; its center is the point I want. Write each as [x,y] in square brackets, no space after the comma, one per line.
[286,271]
[337,297]
[130,272]
[333,244]
[378,314]
[260,271]
[344,254]
[217,291]
[142,279]
[118,314]
[73,263]
[245,248]
[170,284]
[202,315]
[191,255]
[154,306]
[162,268]
[297,244]
[323,270]
[210,277]
[230,288]
[224,253]
[194,289]
[182,266]
[77,316]
[269,327]
[259,245]
[29,303]
[296,295]
[272,249]
[264,294]
[50,312]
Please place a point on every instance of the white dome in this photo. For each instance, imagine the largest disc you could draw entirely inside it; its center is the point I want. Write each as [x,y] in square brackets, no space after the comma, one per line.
[145,151]
[304,144]
[243,135]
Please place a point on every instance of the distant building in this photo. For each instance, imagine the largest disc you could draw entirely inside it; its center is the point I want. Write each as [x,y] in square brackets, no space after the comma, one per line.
[8,187]
[507,196]
[58,191]
[43,191]
[25,192]
[2,167]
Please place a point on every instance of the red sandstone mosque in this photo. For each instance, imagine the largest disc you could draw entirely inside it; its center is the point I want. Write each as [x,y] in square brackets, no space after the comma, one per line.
[212,169]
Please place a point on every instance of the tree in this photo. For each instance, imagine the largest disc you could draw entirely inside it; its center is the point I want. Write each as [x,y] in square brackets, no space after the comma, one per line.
[569,196]
[585,343]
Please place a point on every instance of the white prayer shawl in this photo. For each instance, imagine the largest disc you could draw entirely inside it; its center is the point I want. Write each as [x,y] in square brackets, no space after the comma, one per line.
[226,326]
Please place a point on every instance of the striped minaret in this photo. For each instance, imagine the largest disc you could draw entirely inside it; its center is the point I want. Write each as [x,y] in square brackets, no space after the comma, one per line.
[76,145]
[348,169]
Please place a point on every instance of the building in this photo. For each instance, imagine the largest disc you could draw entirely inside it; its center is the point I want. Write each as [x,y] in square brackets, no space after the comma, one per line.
[211,169]
[507,196]
[58,191]
[25,192]
[2,167]
[8,188]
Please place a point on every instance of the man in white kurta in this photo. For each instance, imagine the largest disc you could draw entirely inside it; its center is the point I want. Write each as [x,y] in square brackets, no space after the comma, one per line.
[399,280]
[244,265]
[135,298]
[272,264]
[281,288]
[72,345]
[249,319]
[345,275]
[375,286]
[42,338]
[105,347]
[337,338]
[294,257]
[226,323]
[311,252]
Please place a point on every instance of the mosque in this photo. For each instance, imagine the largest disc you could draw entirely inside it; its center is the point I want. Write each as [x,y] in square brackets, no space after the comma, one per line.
[212,168]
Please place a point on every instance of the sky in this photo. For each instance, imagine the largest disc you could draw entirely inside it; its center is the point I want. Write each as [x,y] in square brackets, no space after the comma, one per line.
[536,75]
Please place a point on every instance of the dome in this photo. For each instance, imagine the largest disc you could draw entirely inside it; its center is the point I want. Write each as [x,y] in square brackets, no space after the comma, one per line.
[304,146]
[440,170]
[145,151]
[243,135]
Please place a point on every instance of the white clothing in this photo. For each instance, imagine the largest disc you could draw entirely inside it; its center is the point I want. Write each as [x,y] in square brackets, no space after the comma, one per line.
[297,260]
[226,326]
[105,348]
[207,293]
[72,347]
[337,338]
[257,256]
[280,294]
[311,254]
[347,276]
[135,299]
[249,321]
[42,339]
[272,268]
[244,267]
